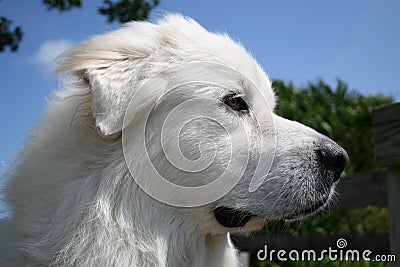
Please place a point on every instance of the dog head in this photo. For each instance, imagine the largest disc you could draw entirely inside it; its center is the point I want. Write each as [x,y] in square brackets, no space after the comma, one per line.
[198,130]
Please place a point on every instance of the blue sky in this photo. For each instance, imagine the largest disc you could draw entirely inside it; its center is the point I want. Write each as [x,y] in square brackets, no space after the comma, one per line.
[357,41]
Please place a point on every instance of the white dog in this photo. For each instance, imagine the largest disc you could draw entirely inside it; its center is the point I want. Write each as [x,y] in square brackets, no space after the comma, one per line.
[83,193]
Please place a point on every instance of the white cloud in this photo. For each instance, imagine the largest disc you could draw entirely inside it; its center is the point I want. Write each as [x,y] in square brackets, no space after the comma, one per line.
[2,170]
[48,51]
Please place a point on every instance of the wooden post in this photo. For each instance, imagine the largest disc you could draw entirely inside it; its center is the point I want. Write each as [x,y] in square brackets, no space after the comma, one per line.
[386,122]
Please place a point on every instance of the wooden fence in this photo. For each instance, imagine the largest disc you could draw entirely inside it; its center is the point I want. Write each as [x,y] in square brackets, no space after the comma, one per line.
[381,188]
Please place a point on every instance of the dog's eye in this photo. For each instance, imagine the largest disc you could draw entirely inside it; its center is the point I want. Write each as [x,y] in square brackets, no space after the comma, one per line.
[236,103]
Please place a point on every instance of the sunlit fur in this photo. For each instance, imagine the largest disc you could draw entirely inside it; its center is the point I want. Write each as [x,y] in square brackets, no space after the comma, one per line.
[74,200]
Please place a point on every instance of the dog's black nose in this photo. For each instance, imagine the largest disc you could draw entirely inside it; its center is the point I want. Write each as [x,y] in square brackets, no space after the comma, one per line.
[332,157]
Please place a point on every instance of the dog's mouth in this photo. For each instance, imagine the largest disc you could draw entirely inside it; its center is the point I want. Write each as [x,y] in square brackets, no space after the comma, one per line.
[231,217]
[301,214]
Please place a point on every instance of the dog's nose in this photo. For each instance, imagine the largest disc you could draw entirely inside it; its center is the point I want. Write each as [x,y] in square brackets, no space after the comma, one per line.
[333,157]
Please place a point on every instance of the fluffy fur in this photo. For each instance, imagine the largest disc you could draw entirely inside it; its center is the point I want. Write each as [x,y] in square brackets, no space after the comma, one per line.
[75,202]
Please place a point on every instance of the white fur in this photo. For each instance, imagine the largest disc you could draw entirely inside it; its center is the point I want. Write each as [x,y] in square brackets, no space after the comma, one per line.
[74,200]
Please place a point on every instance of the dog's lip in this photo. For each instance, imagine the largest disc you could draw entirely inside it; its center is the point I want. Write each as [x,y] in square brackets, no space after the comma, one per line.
[231,217]
[238,217]
[299,214]
[315,207]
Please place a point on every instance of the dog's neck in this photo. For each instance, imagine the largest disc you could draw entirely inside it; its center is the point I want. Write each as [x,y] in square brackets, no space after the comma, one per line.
[163,238]
[142,231]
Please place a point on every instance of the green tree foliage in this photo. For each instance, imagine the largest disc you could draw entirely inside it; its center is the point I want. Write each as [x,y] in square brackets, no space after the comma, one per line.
[9,37]
[126,10]
[62,5]
[122,11]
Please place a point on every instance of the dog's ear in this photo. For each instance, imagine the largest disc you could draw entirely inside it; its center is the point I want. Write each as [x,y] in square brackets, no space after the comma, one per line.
[110,65]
